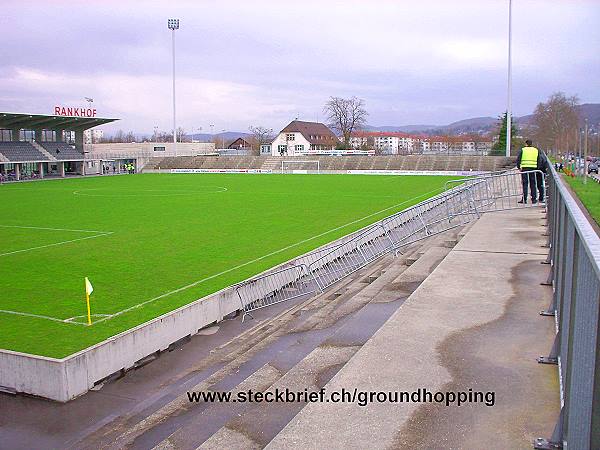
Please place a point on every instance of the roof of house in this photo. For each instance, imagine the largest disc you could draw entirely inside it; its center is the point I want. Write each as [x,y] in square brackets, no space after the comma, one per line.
[310,131]
[238,141]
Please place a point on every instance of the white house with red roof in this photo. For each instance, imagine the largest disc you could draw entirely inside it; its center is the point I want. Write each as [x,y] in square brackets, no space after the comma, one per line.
[303,138]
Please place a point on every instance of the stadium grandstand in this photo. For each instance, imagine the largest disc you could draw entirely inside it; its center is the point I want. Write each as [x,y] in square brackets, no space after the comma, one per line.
[34,146]
[37,145]
[337,164]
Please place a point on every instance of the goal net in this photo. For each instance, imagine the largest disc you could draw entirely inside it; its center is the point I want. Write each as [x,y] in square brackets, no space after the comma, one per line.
[300,167]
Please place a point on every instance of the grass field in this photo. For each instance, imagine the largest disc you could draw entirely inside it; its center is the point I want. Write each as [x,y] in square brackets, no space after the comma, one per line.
[151,243]
[588,193]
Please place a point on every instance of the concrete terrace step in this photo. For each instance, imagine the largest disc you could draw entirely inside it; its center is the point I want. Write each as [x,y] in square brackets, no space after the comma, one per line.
[306,343]
[472,324]
[255,426]
[232,358]
[43,151]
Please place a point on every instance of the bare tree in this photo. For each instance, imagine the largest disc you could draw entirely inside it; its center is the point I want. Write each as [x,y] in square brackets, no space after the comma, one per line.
[130,137]
[260,136]
[181,136]
[554,122]
[120,136]
[345,115]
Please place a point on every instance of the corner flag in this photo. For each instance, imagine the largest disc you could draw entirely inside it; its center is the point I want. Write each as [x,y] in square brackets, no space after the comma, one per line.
[88,287]
[88,290]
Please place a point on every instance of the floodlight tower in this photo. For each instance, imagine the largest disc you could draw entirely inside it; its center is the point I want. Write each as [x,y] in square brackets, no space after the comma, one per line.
[509,96]
[173,25]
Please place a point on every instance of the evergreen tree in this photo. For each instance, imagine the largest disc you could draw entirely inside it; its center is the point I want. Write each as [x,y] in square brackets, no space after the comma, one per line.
[499,148]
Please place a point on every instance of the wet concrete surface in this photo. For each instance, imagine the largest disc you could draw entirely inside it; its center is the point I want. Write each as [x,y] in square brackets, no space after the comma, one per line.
[284,354]
[473,323]
[32,423]
[500,357]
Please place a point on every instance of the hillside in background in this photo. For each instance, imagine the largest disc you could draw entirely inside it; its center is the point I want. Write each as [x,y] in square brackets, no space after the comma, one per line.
[484,125]
[475,125]
[228,136]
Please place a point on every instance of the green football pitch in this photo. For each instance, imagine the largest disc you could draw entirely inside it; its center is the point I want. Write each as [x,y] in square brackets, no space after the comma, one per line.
[151,243]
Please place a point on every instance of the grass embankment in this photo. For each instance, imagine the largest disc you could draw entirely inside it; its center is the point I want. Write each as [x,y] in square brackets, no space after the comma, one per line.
[588,193]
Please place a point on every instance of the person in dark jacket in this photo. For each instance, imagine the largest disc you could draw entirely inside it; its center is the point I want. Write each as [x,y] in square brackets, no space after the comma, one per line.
[539,176]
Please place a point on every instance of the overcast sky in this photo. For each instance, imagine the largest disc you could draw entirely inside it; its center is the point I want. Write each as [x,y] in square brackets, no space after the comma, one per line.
[242,63]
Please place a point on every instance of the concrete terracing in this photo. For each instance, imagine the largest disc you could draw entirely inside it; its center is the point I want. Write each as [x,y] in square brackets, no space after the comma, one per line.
[472,324]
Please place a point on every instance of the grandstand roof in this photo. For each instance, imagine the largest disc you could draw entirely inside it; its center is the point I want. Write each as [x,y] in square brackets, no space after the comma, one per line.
[32,121]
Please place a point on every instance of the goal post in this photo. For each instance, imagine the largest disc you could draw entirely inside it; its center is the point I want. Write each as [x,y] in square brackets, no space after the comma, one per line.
[300,166]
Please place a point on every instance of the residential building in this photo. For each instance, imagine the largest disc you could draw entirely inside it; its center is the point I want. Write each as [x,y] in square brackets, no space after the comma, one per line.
[303,138]
[92,136]
[387,143]
[393,143]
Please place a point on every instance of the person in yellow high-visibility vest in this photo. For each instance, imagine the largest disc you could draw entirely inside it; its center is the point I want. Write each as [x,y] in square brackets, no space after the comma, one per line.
[528,161]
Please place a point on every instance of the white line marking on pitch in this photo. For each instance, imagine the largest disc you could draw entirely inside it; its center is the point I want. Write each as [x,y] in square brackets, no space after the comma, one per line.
[195,283]
[55,244]
[165,192]
[108,317]
[37,316]
[54,229]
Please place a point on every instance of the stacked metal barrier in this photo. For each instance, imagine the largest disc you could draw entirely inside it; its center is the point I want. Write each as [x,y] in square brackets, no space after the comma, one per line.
[321,268]
[575,277]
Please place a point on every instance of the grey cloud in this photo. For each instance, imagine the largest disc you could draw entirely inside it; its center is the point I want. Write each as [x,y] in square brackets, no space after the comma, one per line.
[431,61]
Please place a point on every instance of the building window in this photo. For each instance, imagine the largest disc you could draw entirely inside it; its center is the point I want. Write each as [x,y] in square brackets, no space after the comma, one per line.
[159,149]
[5,135]
[299,148]
[26,135]
[290,137]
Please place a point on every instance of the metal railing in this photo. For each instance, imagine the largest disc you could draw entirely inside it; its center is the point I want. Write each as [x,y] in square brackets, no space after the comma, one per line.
[575,278]
[321,268]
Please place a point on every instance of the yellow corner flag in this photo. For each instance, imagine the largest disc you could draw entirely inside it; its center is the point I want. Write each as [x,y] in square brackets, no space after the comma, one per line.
[88,290]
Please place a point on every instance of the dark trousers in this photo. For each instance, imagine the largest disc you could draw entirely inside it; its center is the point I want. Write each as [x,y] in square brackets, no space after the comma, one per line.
[528,179]
[539,179]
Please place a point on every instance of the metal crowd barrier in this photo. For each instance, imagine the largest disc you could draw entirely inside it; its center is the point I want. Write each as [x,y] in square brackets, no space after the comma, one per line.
[274,287]
[575,278]
[462,202]
[498,191]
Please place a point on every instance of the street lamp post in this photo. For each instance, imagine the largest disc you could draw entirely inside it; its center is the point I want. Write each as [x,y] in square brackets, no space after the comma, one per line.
[509,96]
[173,25]
[223,139]
[585,153]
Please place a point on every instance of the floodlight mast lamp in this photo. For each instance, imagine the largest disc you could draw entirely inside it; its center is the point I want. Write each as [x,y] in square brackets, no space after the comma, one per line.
[509,93]
[173,25]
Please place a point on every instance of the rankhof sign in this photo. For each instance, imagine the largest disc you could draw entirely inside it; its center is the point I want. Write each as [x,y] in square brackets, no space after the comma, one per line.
[74,112]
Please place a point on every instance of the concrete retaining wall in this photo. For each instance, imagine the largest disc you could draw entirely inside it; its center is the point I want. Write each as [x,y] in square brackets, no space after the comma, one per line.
[66,378]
